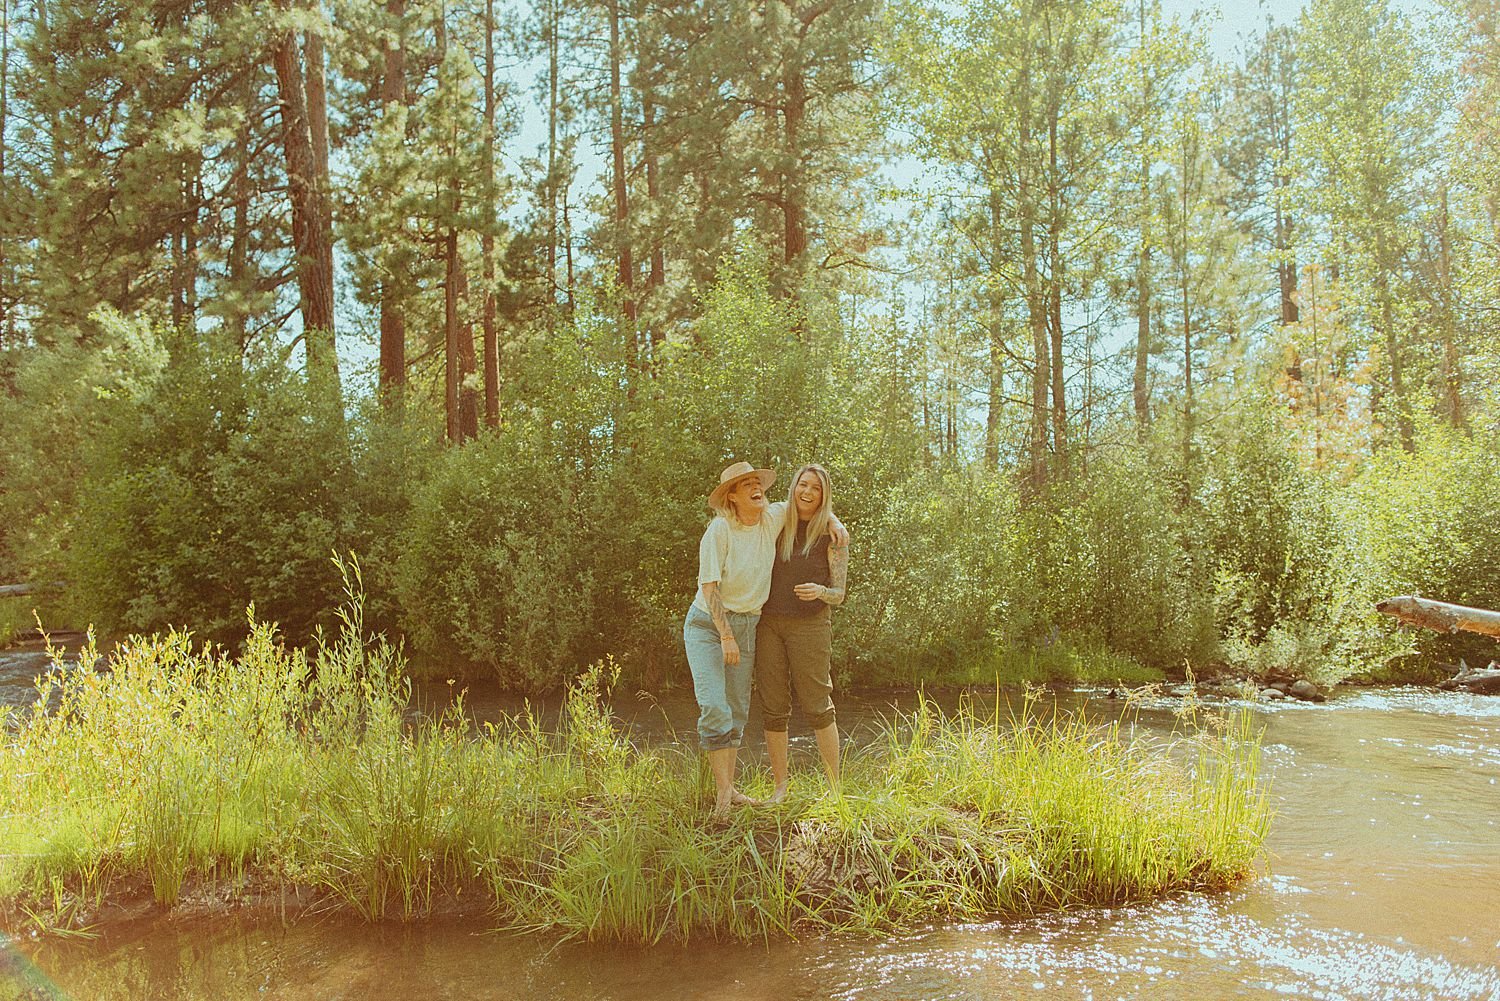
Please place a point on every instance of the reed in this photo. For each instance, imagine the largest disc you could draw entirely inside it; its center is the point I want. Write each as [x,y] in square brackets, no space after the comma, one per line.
[181,768]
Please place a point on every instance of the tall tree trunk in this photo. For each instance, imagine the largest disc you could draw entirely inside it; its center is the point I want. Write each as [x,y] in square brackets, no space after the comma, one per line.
[996,401]
[392,313]
[793,193]
[1286,270]
[7,296]
[1036,308]
[317,127]
[626,266]
[458,335]
[468,395]
[1452,395]
[1187,345]
[1281,184]
[310,214]
[1036,312]
[194,186]
[1140,386]
[492,210]
[554,16]
[657,276]
[649,71]
[951,409]
[451,373]
[240,278]
[177,240]
[1054,297]
[1404,429]
[571,286]
[1140,389]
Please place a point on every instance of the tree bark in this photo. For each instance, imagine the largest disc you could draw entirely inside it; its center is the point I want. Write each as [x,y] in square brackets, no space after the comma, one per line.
[311,218]
[793,195]
[657,276]
[5,293]
[553,110]
[468,395]
[1036,300]
[1140,390]
[995,403]
[491,341]
[626,266]
[458,336]
[1281,183]
[238,263]
[1187,337]
[392,314]
[1187,372]
[1452,397]
[1054,291]
[1404,429]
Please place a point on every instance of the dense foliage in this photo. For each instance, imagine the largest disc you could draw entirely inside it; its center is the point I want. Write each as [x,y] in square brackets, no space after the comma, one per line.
[1158,362]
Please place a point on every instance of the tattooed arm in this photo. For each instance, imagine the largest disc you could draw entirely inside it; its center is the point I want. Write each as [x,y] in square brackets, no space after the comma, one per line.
[838,572]
[720,615]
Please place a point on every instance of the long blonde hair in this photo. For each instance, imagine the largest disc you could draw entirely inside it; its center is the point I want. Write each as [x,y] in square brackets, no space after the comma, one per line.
[817,525]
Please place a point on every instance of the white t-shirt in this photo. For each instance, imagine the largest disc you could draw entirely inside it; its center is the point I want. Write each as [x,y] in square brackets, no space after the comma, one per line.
[739,557]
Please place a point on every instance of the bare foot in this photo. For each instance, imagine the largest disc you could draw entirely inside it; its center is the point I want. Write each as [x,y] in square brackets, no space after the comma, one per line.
[721,809]
[740,799]
[779,796]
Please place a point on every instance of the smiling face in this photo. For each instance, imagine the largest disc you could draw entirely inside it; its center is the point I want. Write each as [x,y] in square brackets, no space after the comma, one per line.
[807,494]
[748,498]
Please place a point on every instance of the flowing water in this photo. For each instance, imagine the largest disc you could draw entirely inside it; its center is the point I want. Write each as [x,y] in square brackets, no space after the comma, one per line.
[1383,881]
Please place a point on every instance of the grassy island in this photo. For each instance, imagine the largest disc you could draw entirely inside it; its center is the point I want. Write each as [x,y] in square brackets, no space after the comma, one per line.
[183,772]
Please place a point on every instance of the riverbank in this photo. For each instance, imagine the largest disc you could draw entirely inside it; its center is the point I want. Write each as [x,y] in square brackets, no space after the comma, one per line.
[282,780]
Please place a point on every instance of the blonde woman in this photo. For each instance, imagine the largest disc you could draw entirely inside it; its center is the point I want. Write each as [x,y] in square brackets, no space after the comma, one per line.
[794,637]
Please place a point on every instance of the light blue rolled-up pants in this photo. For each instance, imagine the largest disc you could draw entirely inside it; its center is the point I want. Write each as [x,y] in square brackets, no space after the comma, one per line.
[723,692]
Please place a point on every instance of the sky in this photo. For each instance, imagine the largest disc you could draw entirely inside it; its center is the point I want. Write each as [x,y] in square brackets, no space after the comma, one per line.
[1234,19]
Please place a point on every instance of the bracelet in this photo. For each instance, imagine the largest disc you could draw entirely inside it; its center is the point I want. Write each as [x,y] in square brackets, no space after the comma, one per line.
[725,636]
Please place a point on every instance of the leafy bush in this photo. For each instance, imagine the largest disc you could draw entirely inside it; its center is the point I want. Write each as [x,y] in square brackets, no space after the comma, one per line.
[928,578]
[496,568]
[1425,522]
[1273,550]
[211,485]
[1104,563]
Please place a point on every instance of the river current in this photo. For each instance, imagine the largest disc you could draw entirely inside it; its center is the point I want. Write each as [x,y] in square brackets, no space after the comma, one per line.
[1382,881]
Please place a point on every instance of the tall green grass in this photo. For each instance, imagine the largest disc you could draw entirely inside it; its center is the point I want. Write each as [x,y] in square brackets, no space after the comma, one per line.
[181,768]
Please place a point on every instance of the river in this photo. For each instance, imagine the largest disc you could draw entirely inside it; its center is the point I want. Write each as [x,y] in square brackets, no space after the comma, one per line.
[1383,881]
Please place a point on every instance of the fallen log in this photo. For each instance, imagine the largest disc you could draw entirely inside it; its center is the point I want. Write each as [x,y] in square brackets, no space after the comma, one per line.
[21,590]
[1440,616]
[1484,681]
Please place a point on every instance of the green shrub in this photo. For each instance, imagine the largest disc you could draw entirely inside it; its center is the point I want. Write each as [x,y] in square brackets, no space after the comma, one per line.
[1425,522]
[927,580]
[211,485]
[496,569]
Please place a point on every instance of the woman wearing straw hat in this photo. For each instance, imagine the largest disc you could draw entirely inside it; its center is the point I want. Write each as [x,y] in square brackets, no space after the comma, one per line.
[734,578]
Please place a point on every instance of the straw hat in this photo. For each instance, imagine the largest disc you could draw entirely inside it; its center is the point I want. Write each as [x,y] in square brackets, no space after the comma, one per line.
[729,477]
